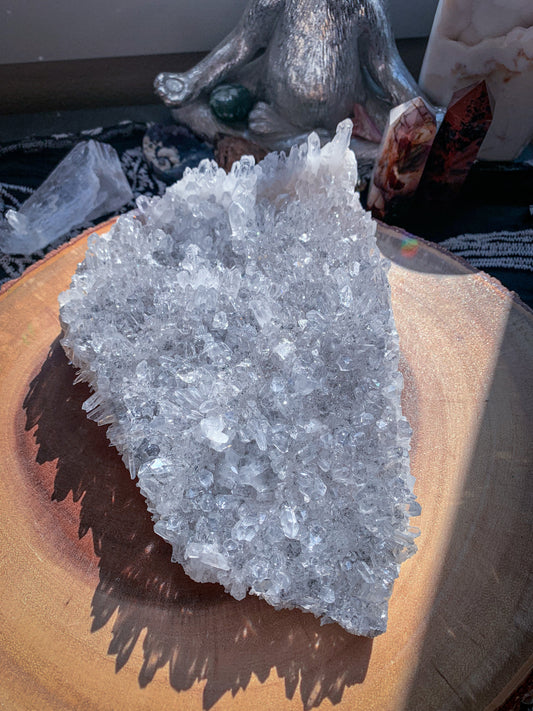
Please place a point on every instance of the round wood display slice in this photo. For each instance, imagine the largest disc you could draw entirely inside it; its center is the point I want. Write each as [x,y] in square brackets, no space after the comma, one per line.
[93,615]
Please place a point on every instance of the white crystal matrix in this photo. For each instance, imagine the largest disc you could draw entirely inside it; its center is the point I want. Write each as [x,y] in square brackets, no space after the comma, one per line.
[239,339]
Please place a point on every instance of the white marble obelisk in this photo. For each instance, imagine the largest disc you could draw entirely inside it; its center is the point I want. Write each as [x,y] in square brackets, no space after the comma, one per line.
[492,40]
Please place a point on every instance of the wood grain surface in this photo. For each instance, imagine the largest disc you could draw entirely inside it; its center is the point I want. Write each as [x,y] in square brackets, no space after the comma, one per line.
[93,615]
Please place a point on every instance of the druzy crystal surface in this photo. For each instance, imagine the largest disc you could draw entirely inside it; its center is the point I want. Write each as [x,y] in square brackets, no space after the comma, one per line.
[239,339]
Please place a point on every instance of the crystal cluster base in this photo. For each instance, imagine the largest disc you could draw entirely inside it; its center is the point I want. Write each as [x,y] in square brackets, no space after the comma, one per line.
[239,339]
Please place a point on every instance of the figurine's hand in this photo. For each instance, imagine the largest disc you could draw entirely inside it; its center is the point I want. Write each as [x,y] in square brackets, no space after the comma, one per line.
[174,89]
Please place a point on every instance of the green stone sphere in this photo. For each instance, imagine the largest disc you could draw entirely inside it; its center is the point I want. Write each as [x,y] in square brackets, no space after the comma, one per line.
[231,103]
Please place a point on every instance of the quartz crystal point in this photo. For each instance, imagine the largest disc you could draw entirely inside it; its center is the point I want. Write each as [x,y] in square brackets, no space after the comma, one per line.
[403,153]
[88,183]
[457,143]
[239,339]
[492,40]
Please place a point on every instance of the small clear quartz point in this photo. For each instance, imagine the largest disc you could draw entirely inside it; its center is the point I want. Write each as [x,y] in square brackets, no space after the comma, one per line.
[88,183]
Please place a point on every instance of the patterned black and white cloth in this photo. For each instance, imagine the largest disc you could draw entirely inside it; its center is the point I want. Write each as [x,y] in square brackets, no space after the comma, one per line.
[496,250]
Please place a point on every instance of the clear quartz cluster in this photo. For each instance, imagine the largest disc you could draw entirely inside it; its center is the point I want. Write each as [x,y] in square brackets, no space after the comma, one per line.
[239,339]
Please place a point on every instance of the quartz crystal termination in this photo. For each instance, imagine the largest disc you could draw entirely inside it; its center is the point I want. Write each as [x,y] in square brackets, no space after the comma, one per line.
[457,143]
[239,339]
[403,153]
[89,182]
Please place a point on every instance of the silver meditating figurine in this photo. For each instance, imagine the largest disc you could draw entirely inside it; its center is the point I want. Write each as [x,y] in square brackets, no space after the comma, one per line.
[307,64]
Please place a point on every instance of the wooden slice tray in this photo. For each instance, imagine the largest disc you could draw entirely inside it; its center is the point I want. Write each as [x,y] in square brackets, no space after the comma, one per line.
[94,616]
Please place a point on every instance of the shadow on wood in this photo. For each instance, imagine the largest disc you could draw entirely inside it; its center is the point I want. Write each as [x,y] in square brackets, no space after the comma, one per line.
[198,630]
